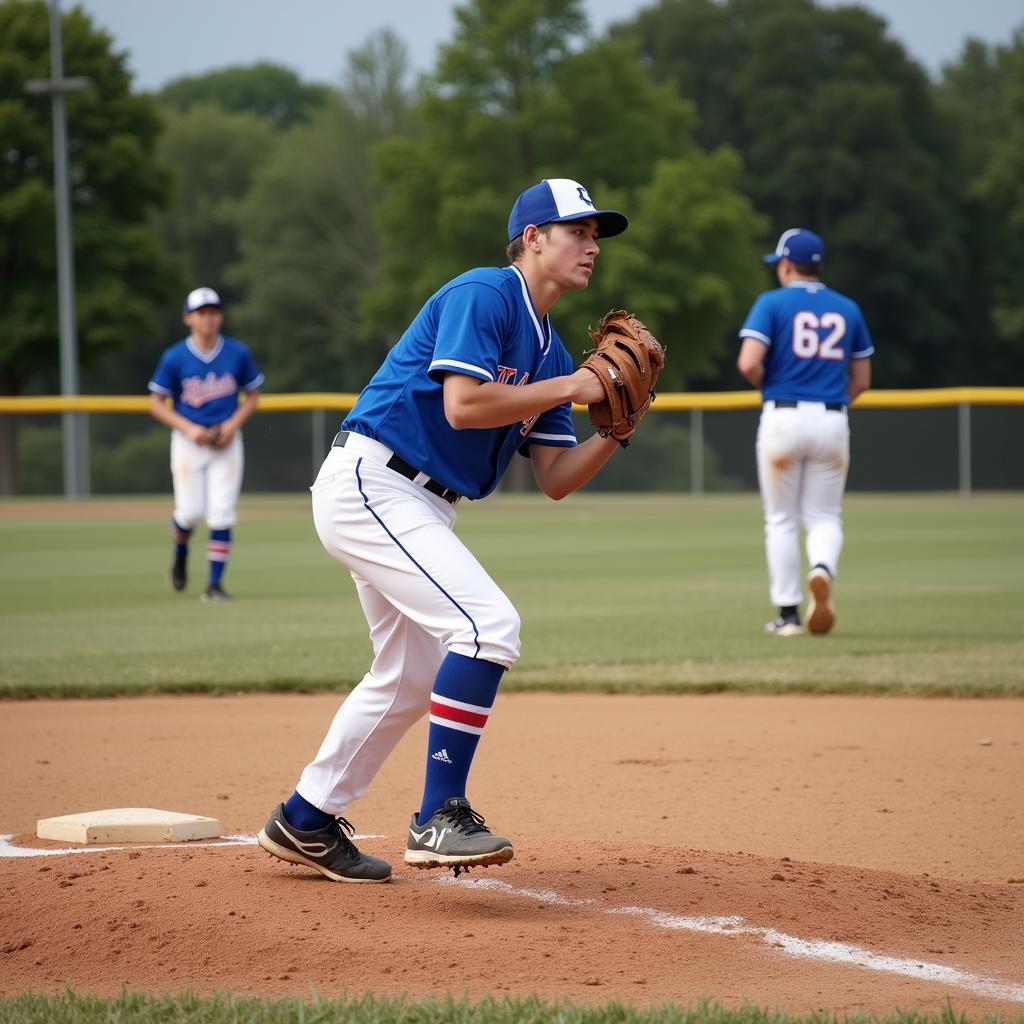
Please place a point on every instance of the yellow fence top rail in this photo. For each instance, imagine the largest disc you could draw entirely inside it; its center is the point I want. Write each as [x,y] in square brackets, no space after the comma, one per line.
[716,401]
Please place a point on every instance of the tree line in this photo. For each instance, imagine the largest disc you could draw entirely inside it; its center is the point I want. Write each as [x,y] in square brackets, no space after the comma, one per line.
[326,214]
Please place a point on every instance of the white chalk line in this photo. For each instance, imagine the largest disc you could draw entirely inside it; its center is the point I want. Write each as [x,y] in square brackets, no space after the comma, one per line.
[810,949]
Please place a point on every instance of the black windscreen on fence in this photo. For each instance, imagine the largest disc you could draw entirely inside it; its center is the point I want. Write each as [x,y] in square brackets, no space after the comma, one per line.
[915,449]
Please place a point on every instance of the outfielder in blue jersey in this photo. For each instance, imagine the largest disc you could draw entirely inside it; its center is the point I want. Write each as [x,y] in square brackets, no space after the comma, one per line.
[203,375]
[808,349]
[479,376]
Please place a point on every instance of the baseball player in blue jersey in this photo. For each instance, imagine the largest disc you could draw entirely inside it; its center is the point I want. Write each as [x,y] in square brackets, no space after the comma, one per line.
[478,377]
[203,375]
[808,349]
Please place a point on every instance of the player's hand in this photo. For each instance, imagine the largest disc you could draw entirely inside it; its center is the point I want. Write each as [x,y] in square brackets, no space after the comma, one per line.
[197,434]
[225,434]
[586,388]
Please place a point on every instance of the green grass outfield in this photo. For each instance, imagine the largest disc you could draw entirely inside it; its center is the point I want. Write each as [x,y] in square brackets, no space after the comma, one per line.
[617,593]
[132,1008]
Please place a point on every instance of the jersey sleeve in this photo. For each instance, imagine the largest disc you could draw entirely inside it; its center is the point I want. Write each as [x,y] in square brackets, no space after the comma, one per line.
[861,345]
[251,378]
[166,379]
[472,321]
[760,321]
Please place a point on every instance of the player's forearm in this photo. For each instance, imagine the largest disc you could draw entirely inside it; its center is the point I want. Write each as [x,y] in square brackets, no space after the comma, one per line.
[573,467]
[860,378]
[497,405]
[245,410]
[750,362]
[754,374]
[165,414]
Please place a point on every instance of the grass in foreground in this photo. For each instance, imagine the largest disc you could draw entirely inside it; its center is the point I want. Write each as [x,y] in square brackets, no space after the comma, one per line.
[134,1008]
[652,593]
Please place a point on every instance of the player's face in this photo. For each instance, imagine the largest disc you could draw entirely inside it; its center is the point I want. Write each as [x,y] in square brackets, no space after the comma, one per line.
[568,253]
[205,322]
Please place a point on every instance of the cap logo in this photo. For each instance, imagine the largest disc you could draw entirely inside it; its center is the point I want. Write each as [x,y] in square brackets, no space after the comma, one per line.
[584,196]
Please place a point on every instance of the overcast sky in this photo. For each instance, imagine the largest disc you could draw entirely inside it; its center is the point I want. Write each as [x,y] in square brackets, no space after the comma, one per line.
[168,39]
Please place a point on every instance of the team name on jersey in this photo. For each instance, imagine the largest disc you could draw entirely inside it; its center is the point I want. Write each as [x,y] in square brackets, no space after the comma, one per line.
[197,391]
[528,425]
[510,375]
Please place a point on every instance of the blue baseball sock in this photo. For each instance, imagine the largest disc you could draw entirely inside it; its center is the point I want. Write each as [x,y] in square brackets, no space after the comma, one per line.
[301,814]
[460,703]
[181,537]
[217,550]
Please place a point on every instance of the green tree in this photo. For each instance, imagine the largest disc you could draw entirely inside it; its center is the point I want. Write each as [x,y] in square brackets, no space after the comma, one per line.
[983,94]
[264,90]
[521,94]
[213,156]
[375,84]
[688,261]
[122,275]
[309,249]
[1001,187]
[839,131]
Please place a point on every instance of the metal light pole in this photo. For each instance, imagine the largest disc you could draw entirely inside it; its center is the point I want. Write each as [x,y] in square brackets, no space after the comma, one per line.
[76,452]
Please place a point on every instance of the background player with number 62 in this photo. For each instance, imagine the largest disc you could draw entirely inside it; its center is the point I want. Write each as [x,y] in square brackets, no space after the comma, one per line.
[808,349]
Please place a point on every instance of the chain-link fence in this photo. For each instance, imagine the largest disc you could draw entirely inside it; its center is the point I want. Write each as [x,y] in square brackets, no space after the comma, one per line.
[964,446]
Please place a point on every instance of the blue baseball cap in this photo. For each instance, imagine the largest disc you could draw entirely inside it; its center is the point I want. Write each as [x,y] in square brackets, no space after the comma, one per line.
[554,200]
[199,297]
[798,245]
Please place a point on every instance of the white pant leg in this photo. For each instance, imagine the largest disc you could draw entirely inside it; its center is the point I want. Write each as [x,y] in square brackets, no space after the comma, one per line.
[398,537]
[824,482]
[780,467]
[188,471]
[224,484]
[423,594]
[391,697]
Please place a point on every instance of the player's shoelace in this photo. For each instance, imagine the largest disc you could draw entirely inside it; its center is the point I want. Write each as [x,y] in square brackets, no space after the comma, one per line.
[343,826]
[466,820]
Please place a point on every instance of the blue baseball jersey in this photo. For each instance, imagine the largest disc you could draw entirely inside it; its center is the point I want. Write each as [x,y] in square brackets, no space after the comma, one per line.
[205,385]
[482,324]
[811,333]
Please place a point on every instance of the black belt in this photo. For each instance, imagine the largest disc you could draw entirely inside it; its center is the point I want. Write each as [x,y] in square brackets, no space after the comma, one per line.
[399,465]
[831,406]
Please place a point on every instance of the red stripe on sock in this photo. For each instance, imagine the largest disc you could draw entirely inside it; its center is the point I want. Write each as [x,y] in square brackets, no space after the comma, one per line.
[457,715]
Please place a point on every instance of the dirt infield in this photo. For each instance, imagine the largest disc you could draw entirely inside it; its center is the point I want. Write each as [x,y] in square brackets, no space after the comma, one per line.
[823,853]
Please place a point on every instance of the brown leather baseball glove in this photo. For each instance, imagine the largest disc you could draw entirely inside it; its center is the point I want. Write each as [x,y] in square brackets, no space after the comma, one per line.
[627,359]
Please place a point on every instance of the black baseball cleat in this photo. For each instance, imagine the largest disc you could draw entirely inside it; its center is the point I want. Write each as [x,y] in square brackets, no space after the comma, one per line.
[455,837]
[215,592]
[327,850]
[178,576]
[784,625]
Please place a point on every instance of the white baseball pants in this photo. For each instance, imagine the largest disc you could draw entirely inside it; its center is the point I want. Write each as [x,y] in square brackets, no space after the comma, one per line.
[207,481]
[423,594]
[803,455]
